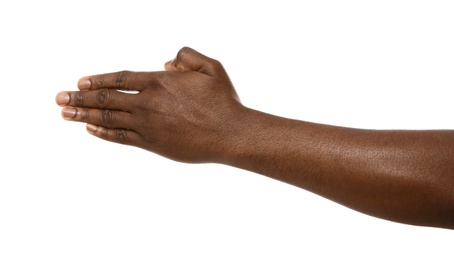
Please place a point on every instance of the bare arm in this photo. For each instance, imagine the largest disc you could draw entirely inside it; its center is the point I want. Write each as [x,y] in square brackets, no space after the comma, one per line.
[191,113]
[403,176]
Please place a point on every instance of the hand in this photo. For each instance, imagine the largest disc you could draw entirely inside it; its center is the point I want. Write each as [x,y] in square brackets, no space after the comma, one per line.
[191,113]
[186,113]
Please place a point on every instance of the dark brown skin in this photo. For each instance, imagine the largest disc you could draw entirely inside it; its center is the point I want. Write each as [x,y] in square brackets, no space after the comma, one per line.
[191,113]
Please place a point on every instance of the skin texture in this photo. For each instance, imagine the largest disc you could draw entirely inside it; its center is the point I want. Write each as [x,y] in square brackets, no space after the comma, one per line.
[191,113]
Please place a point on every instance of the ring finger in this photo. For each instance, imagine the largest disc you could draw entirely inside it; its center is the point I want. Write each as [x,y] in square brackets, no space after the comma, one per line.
[102,98]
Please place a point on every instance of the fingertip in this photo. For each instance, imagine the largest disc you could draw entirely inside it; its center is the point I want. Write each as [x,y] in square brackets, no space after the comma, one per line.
[84,83]
[168,66]
[68,113]
[91,128]
[62,98]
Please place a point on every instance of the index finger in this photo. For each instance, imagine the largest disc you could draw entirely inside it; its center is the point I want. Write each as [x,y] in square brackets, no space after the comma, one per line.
[122,80]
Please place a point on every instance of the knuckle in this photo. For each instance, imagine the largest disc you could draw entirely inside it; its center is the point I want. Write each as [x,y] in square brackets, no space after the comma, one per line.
[183,51]
[103,98]
[107,118]
[98,82]
[121,136]
[84,115]
[120,80]
[215,65]
[104,133]
[78,99]
[183,54]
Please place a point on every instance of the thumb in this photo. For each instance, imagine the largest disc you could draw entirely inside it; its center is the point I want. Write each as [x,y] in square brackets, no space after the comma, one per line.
[188,59]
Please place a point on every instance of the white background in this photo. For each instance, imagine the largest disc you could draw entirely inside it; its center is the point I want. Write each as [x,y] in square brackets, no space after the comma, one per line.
[66,195]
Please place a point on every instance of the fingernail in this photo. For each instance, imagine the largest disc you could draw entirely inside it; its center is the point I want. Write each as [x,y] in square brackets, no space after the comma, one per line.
[91,128]
[62,98]
[84,84]
[68,112]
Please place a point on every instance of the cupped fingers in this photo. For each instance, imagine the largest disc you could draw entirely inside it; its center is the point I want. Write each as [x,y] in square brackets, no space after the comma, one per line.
[122,136]
[188,59]
[107,118]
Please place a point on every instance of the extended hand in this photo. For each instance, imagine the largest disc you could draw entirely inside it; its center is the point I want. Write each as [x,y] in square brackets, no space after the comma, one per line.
[191,113]
[186,113]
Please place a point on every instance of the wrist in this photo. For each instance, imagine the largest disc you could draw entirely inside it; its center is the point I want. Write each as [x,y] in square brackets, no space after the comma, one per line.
[251,138]
[237,136]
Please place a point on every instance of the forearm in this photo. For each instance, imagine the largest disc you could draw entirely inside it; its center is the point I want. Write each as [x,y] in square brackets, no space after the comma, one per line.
[403,176]
[192,113]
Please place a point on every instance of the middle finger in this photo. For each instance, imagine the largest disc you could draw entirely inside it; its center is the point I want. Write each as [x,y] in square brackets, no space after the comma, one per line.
[102,99]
